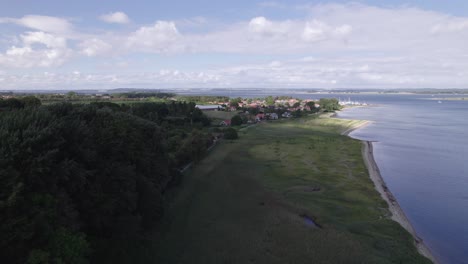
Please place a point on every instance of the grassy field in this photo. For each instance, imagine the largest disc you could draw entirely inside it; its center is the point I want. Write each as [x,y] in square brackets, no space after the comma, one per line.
[293,191]
[219,116]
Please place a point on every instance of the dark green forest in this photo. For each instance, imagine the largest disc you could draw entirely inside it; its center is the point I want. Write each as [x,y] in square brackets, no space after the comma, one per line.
[75,174]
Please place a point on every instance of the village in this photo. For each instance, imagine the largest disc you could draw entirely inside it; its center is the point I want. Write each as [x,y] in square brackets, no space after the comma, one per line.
[239,111]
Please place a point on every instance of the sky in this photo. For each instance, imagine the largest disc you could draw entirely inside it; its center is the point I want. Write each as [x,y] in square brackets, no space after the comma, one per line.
[71,45]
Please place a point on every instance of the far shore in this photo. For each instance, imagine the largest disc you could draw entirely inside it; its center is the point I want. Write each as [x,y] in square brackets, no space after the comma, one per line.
[398,214]
[449,99]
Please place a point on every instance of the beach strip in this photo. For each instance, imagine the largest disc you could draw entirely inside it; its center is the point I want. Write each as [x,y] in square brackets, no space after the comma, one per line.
[357,125]
[397,213]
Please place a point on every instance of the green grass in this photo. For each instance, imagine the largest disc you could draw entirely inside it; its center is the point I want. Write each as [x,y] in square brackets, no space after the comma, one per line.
[243,203]
[219,116]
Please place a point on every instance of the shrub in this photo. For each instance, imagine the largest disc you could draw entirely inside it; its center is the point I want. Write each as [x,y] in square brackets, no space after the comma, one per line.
[236,120]
[230,133]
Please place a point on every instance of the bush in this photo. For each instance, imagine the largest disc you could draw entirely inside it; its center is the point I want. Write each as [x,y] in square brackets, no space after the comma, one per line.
[236,120]
[230,133]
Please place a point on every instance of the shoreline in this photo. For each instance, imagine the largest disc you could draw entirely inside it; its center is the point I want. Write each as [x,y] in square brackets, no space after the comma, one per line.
[355,127]
[397,213]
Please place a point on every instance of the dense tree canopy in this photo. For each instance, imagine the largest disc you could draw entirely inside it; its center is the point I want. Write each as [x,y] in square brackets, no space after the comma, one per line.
[312,107]
[71,173]
[329,104]
[19,103]
[270,100]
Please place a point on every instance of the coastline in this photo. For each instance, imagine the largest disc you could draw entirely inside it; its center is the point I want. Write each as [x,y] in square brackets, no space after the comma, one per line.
[356,126]
[397,213]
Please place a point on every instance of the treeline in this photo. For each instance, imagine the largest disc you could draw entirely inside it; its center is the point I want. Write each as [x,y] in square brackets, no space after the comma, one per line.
[19,103]
[144,95]
[202,98]
[329,104]
[73,174]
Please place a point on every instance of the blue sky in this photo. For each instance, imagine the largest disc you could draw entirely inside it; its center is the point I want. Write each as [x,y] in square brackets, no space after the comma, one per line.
[189,44]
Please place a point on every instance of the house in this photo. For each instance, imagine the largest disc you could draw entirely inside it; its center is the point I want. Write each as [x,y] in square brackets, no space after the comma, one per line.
[273,116]
[208,107]
[260,116]
[286,114]
[226,122]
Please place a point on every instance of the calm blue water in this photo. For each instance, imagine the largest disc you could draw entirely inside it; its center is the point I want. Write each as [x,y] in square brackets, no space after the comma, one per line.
[421,149]
[422,153]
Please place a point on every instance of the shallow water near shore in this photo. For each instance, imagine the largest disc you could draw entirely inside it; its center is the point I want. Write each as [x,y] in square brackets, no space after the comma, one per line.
[421,149]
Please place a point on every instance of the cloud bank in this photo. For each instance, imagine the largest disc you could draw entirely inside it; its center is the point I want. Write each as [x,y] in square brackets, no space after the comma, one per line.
[332,45]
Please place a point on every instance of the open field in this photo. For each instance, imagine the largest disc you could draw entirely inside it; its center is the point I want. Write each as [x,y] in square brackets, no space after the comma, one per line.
[219,115]
[294,191]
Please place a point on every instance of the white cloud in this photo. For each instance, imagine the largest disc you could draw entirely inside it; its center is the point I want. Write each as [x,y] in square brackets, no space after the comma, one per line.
[265,36]
[77,80]
[267,28]
[315,31]
[343,72]
[275,64]
[94,47]
[261,25]
[116,17]
[52,51]
[48,40]
[451,26]
[343,30]
[160,38]
[43,23]
[348,45]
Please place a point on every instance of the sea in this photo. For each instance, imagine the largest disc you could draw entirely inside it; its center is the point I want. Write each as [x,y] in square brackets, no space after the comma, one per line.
[421,148]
